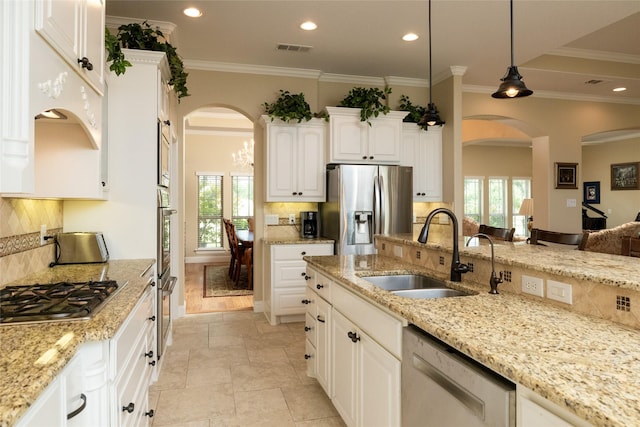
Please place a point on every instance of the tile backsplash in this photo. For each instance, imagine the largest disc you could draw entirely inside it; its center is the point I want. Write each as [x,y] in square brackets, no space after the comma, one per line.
[20,221]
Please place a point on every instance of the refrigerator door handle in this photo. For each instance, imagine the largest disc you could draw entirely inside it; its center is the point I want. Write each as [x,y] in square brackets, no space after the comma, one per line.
[381,205]
[376,205]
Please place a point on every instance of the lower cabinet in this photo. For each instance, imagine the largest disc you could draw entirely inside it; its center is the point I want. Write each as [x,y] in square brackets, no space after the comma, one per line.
[354,350]
[286,279]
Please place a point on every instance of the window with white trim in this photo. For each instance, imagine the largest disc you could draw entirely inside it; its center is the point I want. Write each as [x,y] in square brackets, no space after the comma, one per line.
[498,202]
[473,197]
[241,199]
[210,226]
[521,189]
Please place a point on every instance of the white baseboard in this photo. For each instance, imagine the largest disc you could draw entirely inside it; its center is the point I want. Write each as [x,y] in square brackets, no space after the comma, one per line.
[209,258]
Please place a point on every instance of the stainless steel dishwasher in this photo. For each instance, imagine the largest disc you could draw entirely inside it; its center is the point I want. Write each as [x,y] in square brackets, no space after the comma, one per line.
[442,387]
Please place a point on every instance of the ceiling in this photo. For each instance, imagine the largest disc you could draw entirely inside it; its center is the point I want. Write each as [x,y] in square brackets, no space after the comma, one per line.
[559,45]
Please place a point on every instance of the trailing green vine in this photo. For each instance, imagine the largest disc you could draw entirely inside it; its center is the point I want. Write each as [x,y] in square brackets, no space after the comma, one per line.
[416,112]
[369,100]
[289,107]
[144,37]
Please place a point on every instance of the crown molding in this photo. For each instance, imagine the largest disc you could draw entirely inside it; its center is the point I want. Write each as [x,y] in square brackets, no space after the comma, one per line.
[229,67]
[596,55]
[567,96]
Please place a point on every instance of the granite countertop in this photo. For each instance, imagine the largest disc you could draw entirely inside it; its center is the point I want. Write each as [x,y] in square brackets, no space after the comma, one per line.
[296,241]
[24,372]
[587,365]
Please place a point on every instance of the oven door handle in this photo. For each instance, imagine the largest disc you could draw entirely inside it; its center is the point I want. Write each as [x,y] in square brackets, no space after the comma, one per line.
[167,289]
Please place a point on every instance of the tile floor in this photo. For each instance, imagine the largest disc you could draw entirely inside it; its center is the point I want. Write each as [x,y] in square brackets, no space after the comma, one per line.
[234,369]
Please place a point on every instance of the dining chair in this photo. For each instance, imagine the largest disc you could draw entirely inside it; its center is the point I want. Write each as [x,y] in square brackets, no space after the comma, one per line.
[234,248]
[505,234]
[539,236]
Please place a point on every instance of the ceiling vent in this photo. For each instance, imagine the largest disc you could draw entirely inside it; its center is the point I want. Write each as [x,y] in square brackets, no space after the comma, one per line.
[293,47]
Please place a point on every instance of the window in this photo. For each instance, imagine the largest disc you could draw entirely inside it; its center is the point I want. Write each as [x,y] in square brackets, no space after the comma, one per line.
[521,189]
[473,198]
[498,202]
[241,200]
[210,228]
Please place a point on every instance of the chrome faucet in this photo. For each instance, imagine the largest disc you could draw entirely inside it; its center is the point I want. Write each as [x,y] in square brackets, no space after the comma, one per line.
[493,280]
[457,268]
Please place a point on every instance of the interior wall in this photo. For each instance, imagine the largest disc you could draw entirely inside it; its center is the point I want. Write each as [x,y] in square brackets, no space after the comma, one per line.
[620,206]
[564,122]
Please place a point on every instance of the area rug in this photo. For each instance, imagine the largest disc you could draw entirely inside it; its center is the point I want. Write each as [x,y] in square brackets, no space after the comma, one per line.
[218,284]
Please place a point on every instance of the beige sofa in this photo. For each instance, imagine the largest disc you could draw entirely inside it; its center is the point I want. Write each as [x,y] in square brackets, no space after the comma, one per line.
[609,241]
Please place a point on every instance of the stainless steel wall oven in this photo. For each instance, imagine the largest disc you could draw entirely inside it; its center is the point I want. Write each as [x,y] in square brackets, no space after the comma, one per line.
[166,282]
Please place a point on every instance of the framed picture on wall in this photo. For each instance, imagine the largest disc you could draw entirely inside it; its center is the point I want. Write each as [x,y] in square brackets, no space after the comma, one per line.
[566,175]
[591,194]
[624,176]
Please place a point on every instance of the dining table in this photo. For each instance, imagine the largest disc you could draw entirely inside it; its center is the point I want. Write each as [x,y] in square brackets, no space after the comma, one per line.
[245,238]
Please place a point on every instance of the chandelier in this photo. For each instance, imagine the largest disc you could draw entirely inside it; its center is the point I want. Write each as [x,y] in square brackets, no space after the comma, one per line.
[244,156]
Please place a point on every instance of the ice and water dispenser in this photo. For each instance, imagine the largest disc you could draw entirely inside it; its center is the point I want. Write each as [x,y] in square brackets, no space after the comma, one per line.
[363,228]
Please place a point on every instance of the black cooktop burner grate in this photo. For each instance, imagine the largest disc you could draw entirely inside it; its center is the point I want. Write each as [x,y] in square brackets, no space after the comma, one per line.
[53,301]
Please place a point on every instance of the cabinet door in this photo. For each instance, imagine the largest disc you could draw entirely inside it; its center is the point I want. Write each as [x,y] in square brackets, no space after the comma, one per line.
[348,139]
[384,138]
[344,371]
[429,171]
[93,41]
[281,163]
[323,344]
[310,165]
[378,385]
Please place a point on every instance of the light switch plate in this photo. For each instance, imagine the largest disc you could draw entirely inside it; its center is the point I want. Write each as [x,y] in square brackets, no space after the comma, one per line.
[559,291]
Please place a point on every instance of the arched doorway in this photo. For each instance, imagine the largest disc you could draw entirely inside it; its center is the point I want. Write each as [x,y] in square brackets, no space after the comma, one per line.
[218,183]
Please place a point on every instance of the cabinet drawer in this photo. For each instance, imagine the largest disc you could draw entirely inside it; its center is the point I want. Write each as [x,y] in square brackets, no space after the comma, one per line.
[136,324]
[310,356]
[289,274]
[381,326]
[289,301]
[296,252]
[320,284]
[310,319]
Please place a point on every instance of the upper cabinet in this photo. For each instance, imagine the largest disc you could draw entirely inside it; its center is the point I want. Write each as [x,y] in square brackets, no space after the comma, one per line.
[71,28]
[354,141]
[423,151]
[295,169]
[37,75]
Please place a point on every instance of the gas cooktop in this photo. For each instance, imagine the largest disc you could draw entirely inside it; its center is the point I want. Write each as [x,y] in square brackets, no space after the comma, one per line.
[53,301]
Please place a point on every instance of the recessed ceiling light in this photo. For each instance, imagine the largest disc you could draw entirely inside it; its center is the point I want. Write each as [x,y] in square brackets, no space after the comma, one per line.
[192,12]
[308,26]
[620,89]
[409,37]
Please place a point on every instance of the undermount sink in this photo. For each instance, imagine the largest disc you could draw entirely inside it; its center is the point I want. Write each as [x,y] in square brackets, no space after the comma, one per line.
[430,293]
[414,286]
[405,281]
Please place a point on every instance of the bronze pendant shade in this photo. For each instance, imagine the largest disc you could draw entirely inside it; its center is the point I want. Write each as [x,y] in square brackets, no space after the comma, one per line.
[512,85]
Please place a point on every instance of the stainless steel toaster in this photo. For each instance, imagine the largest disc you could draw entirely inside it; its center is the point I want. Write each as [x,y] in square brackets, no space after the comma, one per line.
[80,248]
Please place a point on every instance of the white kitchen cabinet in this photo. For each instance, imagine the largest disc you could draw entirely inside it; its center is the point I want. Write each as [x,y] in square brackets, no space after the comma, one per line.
[295,161]
[534,410]
[423,151]
[79,394]
[317,328]
[354,141]
[39,79]
[73,29]
[132,359]
[285,279]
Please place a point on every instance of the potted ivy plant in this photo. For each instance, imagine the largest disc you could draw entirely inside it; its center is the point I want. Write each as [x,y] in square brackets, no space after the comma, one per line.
[289,107]
[144,37]
[416,112]
[369,100]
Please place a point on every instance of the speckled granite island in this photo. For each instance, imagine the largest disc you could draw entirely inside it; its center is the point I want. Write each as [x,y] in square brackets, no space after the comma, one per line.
[23,374]
[587,365]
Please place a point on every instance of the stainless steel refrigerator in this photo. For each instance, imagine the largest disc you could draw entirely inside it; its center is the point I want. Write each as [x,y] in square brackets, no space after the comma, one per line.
[364,200]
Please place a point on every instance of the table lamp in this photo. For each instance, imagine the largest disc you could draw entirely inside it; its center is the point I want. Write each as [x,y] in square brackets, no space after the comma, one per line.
[526,209]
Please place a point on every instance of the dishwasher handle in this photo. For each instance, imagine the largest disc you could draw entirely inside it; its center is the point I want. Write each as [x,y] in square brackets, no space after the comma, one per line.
[464,396]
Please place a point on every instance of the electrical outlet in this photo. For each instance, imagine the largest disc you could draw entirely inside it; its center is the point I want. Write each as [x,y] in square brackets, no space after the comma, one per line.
[43,232]
[271,219]
[559,291]
[397,251]
[292,219]
[533,286]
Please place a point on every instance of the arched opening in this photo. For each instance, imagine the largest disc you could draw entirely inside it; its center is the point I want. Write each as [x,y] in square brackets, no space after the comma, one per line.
[218,184]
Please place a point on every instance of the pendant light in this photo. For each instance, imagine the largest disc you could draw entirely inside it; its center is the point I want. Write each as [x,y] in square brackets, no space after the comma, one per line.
[512,85]
[431,117]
